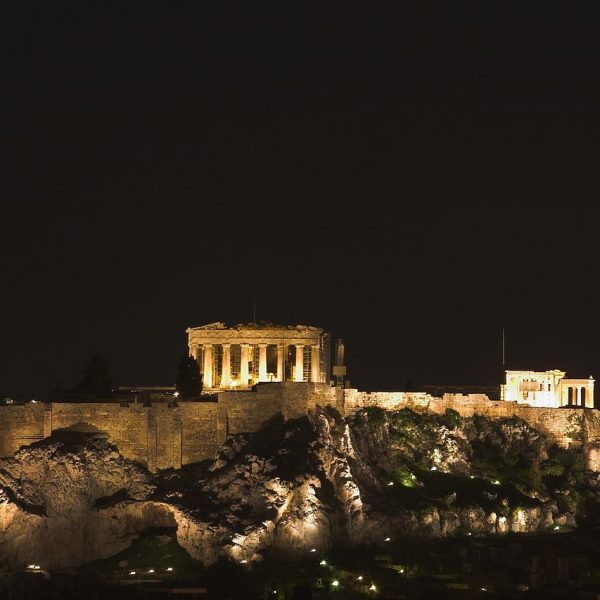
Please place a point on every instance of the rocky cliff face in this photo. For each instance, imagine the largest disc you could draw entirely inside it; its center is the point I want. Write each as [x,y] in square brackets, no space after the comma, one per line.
[292,487]
[70,499]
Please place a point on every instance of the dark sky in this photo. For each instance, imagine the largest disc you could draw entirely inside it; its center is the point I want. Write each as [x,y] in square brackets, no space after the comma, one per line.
[412,180]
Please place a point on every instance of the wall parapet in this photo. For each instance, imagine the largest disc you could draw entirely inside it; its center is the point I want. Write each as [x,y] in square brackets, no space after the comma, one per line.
[164,436]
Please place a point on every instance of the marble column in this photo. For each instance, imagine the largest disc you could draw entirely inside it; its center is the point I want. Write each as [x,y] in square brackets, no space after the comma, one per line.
[280,354]
[314,363]
[299,362]
[207,378]
[244,365]
[262,362]
[589,394]
[226,371]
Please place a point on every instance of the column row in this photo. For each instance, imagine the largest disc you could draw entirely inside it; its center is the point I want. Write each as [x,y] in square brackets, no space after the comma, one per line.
[578,395]
[226,381]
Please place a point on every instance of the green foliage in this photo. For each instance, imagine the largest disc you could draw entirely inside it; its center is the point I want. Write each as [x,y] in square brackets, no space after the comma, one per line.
[510,460]
[404,476]
[452,419]
[189,381]
[96,376]
[507,449]
[563,476]
[151,551]
[375,415]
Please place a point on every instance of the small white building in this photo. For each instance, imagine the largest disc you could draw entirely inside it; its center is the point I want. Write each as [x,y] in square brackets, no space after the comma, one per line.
[547,389]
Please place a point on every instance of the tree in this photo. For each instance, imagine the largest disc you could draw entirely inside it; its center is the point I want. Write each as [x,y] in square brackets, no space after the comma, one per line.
[96,376]
[189,380]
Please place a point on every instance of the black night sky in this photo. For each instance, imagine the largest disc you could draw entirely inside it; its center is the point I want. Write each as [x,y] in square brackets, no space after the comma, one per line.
[412,180]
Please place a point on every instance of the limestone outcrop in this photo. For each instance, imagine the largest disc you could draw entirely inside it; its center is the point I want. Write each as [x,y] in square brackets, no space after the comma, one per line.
[292,487]
[72,498]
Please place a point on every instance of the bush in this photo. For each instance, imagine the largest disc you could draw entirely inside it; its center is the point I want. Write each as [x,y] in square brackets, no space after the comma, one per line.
[451,418]
[375,415]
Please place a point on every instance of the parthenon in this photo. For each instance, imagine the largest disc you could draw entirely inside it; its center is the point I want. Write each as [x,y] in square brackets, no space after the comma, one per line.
[239,357]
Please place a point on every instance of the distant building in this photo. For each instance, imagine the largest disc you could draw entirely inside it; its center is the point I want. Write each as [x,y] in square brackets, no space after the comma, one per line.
[239,357]
[439,390]
[547,389]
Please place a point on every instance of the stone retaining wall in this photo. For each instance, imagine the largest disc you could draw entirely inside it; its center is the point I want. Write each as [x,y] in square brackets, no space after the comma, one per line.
[163,436]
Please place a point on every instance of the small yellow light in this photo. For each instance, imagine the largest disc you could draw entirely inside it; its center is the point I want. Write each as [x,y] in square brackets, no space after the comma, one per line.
[373,588]
[150,570]
[387,539]
[434,468]
[313,549]
[132,572]
[335,583]
[323,563]
[360,578]
[169,568]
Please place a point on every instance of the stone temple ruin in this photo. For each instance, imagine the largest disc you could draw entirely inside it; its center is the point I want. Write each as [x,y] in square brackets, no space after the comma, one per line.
[547,389]
[254,373]
[244,355]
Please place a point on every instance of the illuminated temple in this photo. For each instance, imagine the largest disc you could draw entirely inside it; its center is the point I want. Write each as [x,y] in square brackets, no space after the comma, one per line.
[240,356]
[547,389]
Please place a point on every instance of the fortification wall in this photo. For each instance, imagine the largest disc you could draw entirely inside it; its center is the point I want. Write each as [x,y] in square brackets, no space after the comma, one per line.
[21,426]
[164,436]
[562,426]
[203,430]
[160,436]
[249,410]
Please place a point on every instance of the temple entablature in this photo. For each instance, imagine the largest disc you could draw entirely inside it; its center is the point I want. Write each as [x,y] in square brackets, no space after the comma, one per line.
[547,389]
[238,357]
